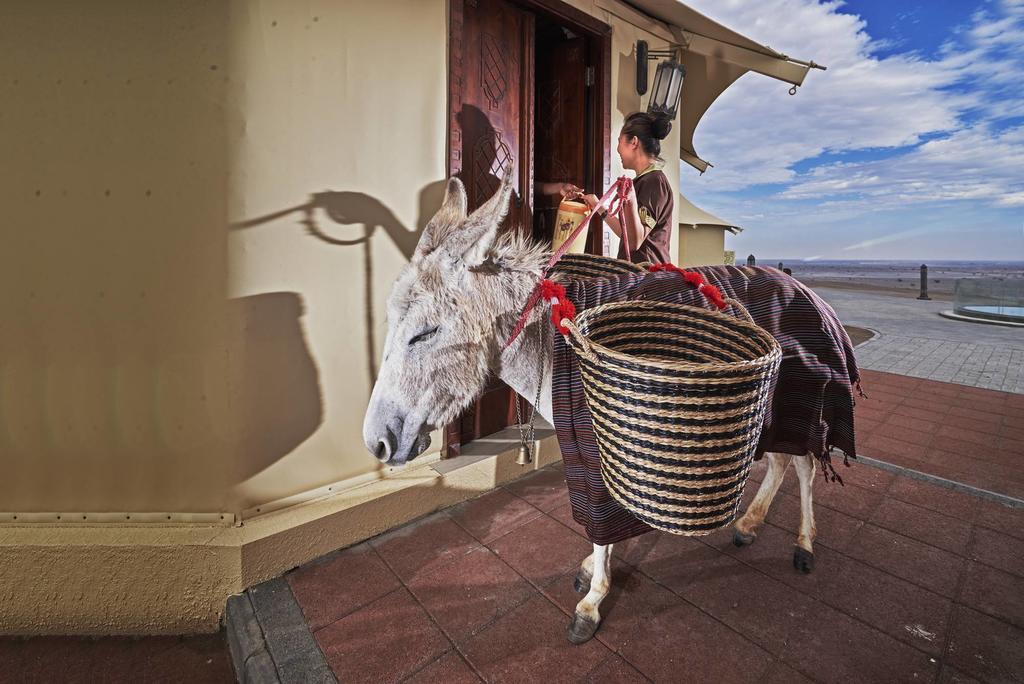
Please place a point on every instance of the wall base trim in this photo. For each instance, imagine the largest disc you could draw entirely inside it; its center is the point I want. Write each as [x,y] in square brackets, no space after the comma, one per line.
[75,579]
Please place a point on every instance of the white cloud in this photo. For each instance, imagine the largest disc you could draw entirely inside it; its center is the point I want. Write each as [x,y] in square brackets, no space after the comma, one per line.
[891,237]
[973,164]
[755,133]
[1014,199]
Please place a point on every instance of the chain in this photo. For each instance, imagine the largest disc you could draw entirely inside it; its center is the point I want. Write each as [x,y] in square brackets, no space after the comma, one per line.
[528,445]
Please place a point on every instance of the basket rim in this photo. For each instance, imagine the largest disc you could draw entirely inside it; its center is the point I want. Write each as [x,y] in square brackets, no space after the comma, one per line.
[775,349]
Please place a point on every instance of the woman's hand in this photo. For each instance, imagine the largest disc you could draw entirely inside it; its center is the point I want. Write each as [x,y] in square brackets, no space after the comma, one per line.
[591,201]
[569,191]
[566,190]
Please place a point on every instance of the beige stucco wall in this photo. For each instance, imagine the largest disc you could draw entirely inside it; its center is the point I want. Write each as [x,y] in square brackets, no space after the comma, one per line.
[206,204]
[333,112]
[701,246]
[174,338]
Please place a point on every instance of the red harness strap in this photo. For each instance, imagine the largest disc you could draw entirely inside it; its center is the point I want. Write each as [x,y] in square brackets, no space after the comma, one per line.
[615,193]
[624,185]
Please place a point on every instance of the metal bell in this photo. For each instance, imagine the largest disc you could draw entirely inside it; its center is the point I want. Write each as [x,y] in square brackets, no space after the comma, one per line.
[524,457]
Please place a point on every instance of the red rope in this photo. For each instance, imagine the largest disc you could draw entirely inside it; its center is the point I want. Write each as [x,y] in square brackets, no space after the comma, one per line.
[623,185]
[613,191]
[713,294]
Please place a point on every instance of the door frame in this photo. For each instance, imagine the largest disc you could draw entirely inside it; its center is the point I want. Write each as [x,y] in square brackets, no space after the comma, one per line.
[598,171]
[599,55]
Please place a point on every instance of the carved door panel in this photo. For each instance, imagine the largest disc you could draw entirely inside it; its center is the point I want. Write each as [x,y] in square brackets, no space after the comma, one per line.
[561,93]
[491,64]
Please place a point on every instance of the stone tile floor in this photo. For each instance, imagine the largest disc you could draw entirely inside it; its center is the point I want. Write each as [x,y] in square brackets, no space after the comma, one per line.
[914,340]
[912,581]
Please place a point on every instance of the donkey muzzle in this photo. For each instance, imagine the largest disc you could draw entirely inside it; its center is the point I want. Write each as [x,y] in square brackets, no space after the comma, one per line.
[397,443]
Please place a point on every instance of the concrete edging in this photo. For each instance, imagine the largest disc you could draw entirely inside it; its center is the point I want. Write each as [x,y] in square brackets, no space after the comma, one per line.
[1002,499]
[246,643]
[269,639]
[954,316]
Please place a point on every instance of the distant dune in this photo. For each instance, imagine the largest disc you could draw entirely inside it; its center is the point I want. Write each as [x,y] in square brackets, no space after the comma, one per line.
[896,277]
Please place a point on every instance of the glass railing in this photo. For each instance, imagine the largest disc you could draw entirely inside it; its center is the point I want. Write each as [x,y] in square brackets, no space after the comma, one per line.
[1001,300]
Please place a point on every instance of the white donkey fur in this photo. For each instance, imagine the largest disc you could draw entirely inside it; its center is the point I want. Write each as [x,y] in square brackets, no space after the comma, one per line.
[449,314]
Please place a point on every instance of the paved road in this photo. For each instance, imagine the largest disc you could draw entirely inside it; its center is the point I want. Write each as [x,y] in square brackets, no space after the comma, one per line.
[914,340]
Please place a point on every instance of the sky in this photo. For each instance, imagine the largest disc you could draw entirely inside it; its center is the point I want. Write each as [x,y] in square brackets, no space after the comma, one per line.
[909,146]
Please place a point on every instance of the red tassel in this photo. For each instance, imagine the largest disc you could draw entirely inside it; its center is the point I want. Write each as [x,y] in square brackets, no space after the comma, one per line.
[563,308]
[550,290]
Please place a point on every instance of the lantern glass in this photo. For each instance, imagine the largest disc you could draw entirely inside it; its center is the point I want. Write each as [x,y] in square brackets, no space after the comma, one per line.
[668,88]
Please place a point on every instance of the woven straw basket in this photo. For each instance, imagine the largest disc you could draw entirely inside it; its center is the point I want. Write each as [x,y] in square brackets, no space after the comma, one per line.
[588,266]
[677,395]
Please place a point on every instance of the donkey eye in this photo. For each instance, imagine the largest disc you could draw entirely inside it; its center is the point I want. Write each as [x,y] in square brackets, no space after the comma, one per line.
[425,335]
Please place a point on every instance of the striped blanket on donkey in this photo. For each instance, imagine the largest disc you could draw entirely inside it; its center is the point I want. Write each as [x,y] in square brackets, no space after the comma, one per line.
[812,405]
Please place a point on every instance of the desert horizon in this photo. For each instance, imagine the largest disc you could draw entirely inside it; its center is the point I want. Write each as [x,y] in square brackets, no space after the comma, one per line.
[896,276]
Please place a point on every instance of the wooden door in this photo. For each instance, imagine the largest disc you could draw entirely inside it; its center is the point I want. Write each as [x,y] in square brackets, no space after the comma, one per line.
[560,120]
[491,72]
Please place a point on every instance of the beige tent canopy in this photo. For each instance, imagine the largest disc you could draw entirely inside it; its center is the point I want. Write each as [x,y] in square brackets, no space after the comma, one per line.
[694,217]
[714,57]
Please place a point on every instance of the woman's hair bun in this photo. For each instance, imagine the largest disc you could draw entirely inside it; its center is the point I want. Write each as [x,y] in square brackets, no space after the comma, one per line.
[661,126]
[650,129]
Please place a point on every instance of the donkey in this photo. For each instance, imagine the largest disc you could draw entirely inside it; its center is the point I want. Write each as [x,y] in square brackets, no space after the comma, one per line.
[449,314]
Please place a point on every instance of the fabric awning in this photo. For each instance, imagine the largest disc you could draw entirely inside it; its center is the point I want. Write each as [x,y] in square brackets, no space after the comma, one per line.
[714,57]
[692,216]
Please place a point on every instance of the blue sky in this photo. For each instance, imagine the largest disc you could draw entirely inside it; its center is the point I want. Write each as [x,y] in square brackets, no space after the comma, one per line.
[910,145]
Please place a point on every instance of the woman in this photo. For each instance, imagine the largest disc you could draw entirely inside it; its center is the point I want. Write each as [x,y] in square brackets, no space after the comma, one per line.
[648,208]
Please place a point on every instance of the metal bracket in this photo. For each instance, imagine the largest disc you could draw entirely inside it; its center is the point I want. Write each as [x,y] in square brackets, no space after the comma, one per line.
[644,55]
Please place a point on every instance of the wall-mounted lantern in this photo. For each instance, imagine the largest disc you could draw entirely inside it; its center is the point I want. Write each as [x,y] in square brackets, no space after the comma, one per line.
[668,79]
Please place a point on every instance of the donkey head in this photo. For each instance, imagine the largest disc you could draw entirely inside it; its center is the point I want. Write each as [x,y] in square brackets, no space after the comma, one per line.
[442,338]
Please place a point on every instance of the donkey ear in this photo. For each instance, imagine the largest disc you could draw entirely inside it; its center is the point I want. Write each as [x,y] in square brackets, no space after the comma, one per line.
[481,228]
[445,221]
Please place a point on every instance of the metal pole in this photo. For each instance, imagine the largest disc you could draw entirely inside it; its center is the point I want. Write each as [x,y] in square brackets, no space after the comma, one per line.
[924,283]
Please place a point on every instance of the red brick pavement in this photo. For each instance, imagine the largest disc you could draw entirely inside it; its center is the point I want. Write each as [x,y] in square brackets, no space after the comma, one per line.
[965,434]
[912,581]
[197,659]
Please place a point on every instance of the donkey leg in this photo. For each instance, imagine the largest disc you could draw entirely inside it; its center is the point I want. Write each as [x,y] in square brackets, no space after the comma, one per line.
[746,526]
[581,582]
[587,617]
[803,554]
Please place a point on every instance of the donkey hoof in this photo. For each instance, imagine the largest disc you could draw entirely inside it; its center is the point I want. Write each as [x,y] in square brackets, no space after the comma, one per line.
[581,583]
[741,539]
[582,629]
[803,560]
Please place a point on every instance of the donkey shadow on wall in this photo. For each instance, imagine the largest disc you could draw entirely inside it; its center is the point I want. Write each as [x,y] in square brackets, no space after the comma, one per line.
[326,211]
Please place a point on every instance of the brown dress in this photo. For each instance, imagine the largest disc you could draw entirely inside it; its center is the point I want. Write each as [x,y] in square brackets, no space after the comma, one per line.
[655,200]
